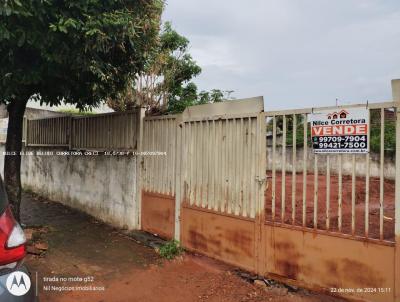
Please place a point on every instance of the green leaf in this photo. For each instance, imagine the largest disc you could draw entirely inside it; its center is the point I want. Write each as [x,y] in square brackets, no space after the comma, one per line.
[53,27]
[63,29]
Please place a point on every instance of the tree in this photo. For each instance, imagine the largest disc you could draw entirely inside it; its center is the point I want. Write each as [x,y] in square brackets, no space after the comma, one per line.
[170,67]
[289,129]
[165,85]
[214,96]
[76,52]
[190,97]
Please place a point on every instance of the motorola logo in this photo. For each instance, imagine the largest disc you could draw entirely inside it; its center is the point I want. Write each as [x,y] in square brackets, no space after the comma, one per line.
[18,283]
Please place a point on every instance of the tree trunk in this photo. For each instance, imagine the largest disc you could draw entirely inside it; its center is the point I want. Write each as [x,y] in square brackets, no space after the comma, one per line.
[12,162]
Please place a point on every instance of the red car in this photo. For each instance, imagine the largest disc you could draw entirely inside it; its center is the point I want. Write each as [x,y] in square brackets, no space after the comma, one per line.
[15,281]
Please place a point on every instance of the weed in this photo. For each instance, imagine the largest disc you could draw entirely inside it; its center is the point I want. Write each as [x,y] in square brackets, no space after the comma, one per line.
[170,250]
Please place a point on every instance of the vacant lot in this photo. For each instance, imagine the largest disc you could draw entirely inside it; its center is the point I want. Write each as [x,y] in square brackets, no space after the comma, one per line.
[360,185]
[102,264]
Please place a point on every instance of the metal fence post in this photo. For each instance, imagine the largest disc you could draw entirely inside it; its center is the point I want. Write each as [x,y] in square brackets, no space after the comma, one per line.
[178,182]
[396,98]
[260,244]
[24,130]
[26,122]
[70,133]
[138,207]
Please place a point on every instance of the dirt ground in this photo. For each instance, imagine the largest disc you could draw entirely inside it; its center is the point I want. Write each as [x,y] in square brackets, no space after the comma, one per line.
[374,188]
[102,264]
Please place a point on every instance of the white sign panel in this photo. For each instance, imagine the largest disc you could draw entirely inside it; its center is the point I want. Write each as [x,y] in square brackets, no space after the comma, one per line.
[340,131]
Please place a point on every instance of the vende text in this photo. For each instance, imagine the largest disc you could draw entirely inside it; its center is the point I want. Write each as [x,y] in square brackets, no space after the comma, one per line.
[340,130]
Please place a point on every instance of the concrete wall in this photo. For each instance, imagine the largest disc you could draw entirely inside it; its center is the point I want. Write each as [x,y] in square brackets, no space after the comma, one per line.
[346,162]
[34,113]
[103,186]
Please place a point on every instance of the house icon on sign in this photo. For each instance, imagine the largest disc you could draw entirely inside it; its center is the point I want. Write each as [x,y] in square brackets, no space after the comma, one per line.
[332,116]
[343,114]
[335,115]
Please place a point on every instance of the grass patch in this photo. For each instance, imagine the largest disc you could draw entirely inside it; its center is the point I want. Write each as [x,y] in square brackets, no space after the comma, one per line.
[170,250]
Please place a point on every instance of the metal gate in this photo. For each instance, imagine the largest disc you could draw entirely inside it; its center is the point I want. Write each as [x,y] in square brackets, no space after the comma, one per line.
[329,223]
[158,175]
[222,180]
[325,222]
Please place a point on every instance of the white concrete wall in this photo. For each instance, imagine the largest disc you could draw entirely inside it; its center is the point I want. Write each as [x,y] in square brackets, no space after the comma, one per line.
[102,186]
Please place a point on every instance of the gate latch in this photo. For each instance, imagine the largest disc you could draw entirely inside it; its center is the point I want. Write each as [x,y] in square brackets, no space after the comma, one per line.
[260,180]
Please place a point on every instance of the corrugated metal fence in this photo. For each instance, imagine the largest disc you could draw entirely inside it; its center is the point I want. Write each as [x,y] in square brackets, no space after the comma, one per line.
[159,145]
[222,183]
[53,131]
[221,162]
[110,131]
[158,175]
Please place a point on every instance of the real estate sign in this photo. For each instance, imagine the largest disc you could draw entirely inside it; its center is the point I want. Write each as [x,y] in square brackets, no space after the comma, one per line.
[340,131]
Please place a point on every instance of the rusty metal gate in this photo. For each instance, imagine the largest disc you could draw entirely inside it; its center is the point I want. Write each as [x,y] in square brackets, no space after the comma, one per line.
[222,180]
[158,175]
[243,186]
[332,220]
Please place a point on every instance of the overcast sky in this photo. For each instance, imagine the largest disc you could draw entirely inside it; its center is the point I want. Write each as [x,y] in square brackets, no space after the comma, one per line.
[295,53]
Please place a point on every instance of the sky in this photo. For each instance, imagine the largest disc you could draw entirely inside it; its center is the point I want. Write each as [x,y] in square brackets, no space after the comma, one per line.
[294,53]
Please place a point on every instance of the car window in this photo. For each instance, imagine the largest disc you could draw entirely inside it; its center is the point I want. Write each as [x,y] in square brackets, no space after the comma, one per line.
[3,197]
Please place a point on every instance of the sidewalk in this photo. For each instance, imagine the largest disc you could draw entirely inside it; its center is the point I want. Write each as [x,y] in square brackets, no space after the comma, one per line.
[100,263]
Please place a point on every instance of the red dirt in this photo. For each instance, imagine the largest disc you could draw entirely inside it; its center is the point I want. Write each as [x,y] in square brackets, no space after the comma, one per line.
[80,246]
[190,278]
[389,191]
